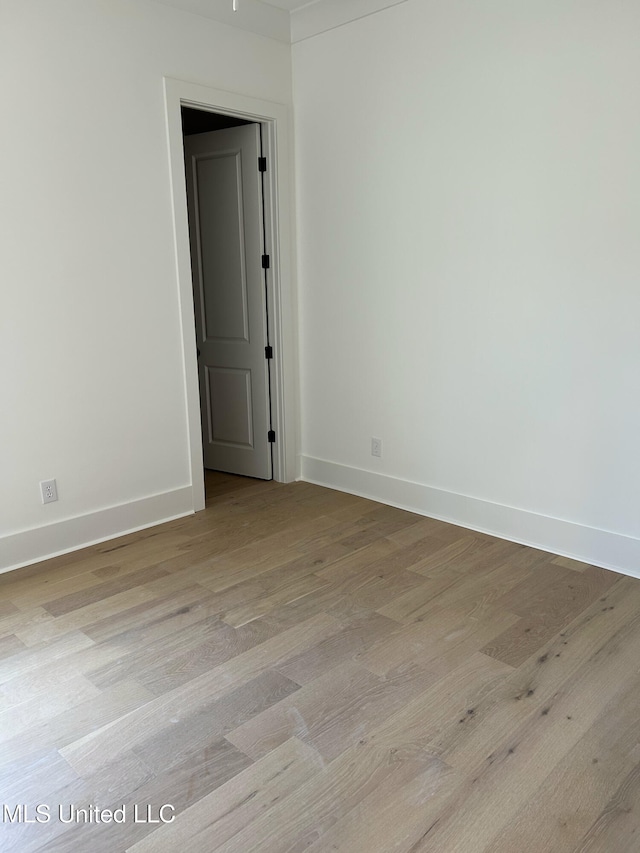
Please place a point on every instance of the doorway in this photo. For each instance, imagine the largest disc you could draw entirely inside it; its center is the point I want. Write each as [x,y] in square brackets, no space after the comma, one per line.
[277,136]
[230,261]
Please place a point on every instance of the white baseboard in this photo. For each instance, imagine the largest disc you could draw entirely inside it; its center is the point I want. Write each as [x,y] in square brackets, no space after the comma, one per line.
[41,543]
[565,538]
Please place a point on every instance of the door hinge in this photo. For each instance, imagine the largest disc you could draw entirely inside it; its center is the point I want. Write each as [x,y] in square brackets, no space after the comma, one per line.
[262,164]
[271,435]
[266,262]
[268,352]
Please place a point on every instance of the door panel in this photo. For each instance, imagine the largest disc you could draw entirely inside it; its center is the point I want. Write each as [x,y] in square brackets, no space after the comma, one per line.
[231,421]
[225,223]
[222,252]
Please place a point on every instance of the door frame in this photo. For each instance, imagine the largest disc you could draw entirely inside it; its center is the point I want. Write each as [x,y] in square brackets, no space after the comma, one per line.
[275,122]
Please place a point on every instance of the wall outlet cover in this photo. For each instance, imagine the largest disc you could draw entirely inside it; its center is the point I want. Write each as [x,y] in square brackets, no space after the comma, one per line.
[48,491]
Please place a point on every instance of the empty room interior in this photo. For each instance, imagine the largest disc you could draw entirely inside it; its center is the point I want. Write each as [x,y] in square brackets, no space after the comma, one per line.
[320,493]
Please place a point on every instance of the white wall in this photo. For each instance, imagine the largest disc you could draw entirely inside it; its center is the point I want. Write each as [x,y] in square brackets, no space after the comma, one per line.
[469,207]
[469,212]
[92,384]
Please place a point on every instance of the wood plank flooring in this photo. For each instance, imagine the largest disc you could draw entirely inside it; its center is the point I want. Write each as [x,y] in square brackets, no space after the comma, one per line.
[298,669]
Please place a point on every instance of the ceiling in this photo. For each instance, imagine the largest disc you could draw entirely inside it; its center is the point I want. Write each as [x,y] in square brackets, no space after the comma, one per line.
[289,4]
[285,20]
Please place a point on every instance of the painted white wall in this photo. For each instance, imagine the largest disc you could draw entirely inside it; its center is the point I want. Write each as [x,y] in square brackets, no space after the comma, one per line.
[92,384]
[469,265]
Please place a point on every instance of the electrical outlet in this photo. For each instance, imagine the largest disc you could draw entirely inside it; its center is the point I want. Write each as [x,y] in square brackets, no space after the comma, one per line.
[376,447]
[49,491]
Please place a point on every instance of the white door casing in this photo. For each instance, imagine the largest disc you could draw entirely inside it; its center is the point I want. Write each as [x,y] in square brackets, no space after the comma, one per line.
[224,194]
[277,140]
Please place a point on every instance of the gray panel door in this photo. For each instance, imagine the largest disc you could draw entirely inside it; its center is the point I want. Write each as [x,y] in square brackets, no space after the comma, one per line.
[224,194]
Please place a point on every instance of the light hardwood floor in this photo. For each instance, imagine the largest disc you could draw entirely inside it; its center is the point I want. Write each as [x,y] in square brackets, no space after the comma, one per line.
[298,669]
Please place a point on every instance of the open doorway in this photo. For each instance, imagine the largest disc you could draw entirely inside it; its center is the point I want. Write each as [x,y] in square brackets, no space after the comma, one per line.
[275,124]
[230,262]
